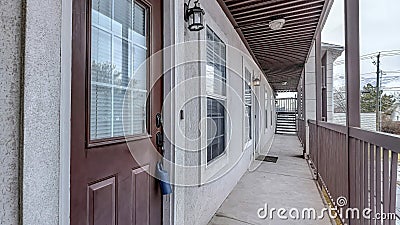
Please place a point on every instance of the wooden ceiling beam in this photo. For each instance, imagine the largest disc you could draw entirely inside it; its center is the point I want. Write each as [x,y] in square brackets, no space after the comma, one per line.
[298,26]
[304,32]
[281,40]
[307,15]
[295,53]
[274,8]
[280,12]
[241,23]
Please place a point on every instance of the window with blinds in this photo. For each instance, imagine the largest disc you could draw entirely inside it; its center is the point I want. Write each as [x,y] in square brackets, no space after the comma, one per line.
[216,95]
[118,74]
[247,104]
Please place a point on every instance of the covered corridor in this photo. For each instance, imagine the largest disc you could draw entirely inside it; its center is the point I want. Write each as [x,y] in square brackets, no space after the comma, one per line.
[288,184]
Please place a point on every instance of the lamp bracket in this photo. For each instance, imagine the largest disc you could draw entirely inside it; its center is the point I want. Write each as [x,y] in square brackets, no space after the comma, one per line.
[186,10]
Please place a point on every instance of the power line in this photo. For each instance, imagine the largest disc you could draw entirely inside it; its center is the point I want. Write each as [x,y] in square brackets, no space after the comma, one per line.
[368,56]
[387,72]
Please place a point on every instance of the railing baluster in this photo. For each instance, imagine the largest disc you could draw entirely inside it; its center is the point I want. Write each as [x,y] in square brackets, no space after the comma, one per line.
[357,177]
[352,171]
[393,186]
[365,175]
[372,181]
[378,180]
[362,182]
[386,189]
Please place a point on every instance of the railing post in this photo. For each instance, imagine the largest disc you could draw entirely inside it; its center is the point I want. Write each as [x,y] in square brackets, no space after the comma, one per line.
[352,74]
[318,91]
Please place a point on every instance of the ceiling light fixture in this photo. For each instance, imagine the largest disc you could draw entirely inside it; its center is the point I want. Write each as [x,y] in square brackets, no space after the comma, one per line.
[276,23]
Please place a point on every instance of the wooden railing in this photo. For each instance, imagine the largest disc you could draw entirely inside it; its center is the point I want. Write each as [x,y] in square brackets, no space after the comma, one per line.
[301,131]
[286,105]
[359,165]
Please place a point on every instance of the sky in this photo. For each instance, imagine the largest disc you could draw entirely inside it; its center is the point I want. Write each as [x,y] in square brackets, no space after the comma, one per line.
[379,31]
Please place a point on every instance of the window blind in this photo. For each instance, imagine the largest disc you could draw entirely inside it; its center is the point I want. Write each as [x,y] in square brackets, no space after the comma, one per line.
[118,74]
[216,91]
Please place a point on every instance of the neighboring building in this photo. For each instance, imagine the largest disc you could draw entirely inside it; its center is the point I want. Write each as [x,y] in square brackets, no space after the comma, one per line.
[330,52]
[368,120]
[395,116]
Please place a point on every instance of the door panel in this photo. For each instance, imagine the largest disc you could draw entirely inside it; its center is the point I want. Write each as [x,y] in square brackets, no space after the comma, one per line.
[109,185]
[101,201]
[140,195]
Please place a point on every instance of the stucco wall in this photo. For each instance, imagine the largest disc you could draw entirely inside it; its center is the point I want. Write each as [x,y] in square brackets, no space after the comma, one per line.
[10,73]
[41,112]
[310,90]
[197,204]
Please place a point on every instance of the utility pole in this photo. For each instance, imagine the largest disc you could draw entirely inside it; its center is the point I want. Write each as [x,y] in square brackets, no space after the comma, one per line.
[377,106]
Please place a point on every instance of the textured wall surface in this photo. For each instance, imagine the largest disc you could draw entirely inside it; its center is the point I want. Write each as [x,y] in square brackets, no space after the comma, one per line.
[10,58]
[310,101]
[41,112]
[197,204]
[310,86]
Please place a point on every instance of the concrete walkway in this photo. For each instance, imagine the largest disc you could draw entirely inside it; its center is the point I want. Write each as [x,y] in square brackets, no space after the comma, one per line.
[286,184]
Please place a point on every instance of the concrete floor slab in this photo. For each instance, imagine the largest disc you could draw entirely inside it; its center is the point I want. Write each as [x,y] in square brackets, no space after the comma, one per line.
[286,184]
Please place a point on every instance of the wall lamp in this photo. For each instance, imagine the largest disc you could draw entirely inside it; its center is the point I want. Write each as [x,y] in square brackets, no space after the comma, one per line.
[256,82]
[194,16]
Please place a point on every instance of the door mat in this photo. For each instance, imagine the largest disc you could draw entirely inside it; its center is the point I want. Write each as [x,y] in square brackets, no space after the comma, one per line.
[267,158]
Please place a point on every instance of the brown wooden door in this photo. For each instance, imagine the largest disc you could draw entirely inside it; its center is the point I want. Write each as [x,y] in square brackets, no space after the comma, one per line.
[110,101]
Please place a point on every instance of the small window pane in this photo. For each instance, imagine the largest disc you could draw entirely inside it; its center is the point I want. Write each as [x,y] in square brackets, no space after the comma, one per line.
[215,128]
[215,68]
[101,115]
[118,76]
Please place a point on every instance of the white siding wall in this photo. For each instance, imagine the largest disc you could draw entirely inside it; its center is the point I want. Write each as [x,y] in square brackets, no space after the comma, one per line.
[329,85]
[368,120]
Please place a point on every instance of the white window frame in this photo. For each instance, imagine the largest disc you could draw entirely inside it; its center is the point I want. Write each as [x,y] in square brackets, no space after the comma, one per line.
[247,143]
[211,169]
[114,35]
[267,116]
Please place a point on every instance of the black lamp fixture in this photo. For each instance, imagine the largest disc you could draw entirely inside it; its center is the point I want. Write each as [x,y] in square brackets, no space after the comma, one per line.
[256,81]
[194,16]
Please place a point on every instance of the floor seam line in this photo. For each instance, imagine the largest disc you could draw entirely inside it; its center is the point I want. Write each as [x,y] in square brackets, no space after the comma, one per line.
[303,178]
[233,218]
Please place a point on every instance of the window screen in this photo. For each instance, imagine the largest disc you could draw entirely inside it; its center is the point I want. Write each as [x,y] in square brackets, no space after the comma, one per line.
[216,95]
[118,49]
